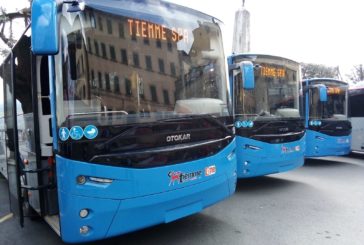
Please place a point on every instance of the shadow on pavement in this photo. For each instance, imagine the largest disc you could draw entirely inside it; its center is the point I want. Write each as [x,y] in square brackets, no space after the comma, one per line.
[264,183]
[322,162]
[190,229]
[4,197]
[356,155]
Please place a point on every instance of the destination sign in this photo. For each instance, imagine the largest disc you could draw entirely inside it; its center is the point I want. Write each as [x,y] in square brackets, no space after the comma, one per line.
[334,90]
[149,30]
[268,71]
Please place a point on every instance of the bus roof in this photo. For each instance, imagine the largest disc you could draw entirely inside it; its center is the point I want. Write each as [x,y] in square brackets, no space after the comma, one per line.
[357,86]
[253,55]
[123,7]
[320,79]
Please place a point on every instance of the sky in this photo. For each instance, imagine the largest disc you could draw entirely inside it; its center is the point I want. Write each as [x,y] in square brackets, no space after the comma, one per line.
[328,32]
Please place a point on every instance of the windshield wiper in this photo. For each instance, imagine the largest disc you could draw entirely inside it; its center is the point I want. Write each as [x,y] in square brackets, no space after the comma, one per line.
[247,115]
[96,113]
[269,123]
[198,116]
[101,146]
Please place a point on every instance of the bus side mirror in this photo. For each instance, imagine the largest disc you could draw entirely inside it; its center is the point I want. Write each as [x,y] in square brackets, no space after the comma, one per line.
[44,27]
[323,93]
[247,73]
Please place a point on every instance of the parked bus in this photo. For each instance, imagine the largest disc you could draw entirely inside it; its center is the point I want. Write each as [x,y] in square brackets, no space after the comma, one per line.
[117,116]
[356,115]
[328,130]
[270,133]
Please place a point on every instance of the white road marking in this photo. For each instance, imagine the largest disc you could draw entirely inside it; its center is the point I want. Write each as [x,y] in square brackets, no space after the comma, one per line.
[6,217]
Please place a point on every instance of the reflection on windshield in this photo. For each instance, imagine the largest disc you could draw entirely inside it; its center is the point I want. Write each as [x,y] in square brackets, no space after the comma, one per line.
[334,107]
[123,66]
[275,94]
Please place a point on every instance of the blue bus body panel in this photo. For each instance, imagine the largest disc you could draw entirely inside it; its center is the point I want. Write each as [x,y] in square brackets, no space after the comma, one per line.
[320,145]
[269,159]
[139,198]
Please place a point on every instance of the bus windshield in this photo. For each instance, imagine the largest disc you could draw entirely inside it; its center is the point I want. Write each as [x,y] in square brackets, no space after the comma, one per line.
[141,61]
[336,105]
[276,92]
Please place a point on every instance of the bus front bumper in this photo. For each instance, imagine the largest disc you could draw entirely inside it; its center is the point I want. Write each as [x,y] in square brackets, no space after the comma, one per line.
[320,145]
[255,158]
[108,218]
[133,199]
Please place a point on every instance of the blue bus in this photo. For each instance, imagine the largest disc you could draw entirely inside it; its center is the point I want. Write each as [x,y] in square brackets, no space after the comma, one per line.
[116,116]
[270,133]
[328,130]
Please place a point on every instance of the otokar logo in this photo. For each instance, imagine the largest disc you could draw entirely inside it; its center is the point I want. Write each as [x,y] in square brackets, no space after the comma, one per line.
[180,177]
[178,137]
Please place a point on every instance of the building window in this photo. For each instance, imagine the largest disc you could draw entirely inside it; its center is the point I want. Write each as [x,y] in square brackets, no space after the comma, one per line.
[92,74]
[148,62]
[82,65]
[100,24]
[78,69]
[103,50]
[153,92]
[93,84]
[124,56]
[173,69]
[84,92]
[161,65]
[136,59]
[109,26]
[116,85]
[146,41]
[159,44]
[166,97]
[107,81]
[100,79]
[97,52]
[92,20]
[128,87]
[112,53]
[121,31]
[89,45]
[169,45]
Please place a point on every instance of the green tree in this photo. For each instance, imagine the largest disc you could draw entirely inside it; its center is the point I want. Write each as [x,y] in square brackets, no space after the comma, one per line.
[7,20]
[310,70]
[357,73]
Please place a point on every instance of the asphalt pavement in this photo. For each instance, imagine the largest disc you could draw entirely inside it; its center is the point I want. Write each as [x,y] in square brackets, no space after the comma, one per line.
[320,203]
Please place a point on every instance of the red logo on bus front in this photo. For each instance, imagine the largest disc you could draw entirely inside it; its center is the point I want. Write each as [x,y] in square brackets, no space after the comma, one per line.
[180,177]
[210,170]
[173,177]
[286,149]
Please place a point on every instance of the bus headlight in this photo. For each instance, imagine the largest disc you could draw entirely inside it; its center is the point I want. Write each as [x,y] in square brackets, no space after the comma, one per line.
[84,229]
[84,213]
[81,179]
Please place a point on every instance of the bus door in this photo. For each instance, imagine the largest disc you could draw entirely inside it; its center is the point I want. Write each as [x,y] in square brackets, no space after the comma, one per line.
[23,159]
[12,165]
[4,76]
